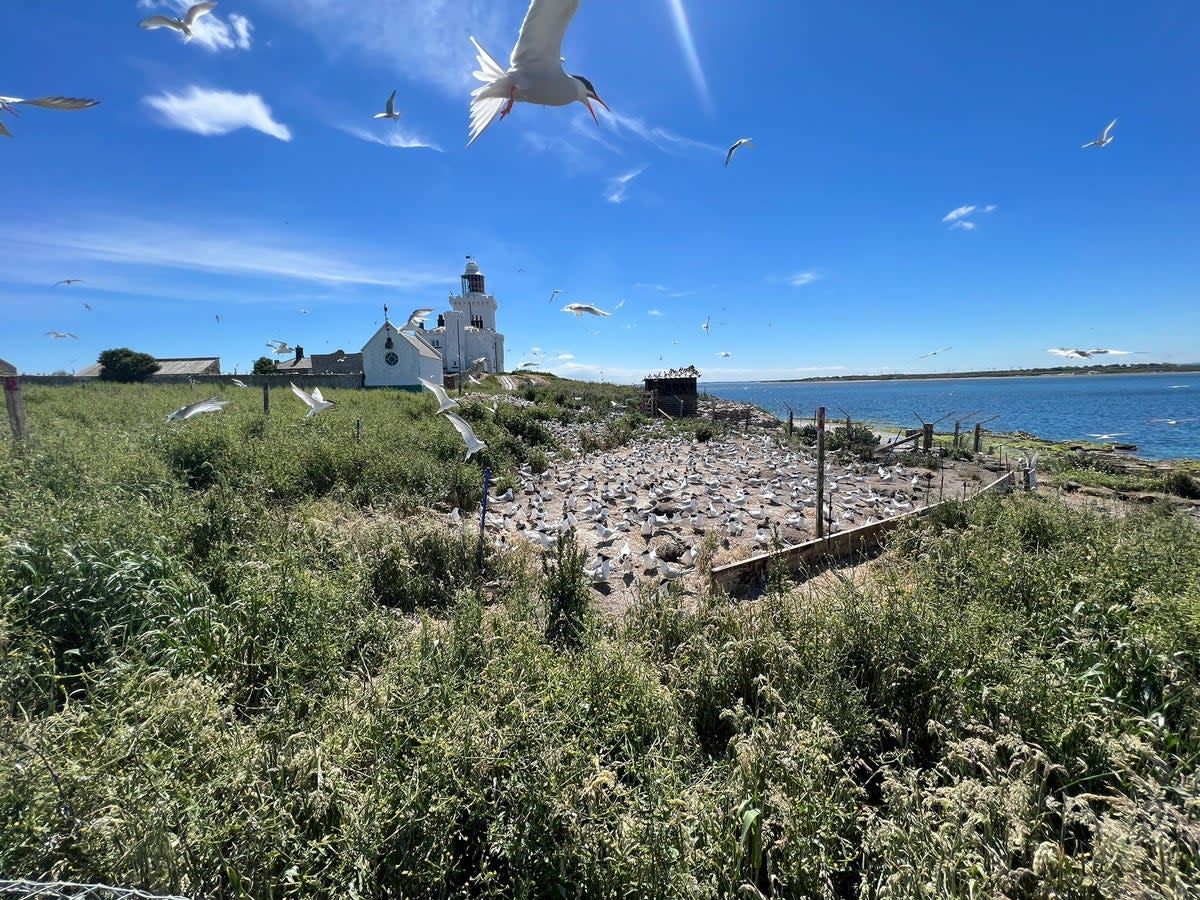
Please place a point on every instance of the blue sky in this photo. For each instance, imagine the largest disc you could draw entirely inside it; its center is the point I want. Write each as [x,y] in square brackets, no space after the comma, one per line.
[243,176]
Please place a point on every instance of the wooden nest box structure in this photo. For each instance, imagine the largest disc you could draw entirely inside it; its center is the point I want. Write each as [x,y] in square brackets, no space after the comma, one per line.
[673,393]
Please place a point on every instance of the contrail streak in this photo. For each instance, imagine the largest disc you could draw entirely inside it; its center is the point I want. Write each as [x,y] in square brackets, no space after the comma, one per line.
[688,44]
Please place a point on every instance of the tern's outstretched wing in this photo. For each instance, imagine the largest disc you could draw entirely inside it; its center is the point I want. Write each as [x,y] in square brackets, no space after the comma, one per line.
[539,45]
[1108,130]
[4,132]
[316,395]
[60,102]
[308,401]
[158,22]
[391,104]
[443,398]
[488,99]
[197,11]
[473,443]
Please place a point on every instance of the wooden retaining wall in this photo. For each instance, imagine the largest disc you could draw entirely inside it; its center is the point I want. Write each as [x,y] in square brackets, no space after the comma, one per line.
[749,575]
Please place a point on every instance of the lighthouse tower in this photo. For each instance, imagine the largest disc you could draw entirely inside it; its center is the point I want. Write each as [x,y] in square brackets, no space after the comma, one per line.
[468,332]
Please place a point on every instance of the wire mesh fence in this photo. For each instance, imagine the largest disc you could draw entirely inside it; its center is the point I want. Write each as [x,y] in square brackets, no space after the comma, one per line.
[55,890]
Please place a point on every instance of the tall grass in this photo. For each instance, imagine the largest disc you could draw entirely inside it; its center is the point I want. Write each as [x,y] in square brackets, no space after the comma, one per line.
[239,658]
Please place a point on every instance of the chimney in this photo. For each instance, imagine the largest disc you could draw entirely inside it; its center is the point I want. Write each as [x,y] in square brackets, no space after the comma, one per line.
[299,353]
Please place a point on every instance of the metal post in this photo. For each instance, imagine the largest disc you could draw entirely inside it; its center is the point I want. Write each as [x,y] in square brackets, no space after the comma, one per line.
[15,401]
[266,400]
[487,487]
[820,470]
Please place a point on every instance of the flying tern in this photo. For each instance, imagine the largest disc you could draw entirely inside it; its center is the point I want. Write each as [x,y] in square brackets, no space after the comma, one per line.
[724,354]
[1105,138]
[1105,437]
[935,352]
[389,111]
[279,348]
[59,335]
[184,25]
[70,281]
[474,444]
[239,382]
[443,399]
[535,73]
[580,308]
[314,401]
[200,406]
[705,325]
[555,294]
[743,142]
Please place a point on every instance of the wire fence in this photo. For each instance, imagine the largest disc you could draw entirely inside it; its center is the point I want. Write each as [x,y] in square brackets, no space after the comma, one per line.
[54,890]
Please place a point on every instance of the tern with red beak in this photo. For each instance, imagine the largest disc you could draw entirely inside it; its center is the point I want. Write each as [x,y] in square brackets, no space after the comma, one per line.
[535,73]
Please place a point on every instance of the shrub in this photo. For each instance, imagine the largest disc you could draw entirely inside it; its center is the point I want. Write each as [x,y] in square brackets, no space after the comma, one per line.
[566,592]
[123,364]
[264,365]
[1181,484]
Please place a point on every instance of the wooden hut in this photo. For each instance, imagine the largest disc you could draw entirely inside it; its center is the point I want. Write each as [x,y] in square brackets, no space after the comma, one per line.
[673,392]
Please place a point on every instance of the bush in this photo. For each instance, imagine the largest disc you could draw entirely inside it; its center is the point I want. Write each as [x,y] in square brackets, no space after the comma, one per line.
[264,365]
[123,364]
[1181,484]
[566,592]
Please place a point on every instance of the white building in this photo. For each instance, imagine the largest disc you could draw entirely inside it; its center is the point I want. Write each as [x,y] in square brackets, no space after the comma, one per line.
[393,359]
[468,332]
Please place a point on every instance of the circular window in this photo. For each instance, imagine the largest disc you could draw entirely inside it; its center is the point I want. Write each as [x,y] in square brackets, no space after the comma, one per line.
[391,358]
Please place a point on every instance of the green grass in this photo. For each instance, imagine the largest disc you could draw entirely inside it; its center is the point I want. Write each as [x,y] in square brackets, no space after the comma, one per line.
[239,658]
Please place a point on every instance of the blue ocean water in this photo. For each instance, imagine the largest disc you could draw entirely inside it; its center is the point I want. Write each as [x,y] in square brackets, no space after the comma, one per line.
[1059,407]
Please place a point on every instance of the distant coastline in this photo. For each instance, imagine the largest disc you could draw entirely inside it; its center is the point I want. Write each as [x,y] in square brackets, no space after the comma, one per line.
[1114,369]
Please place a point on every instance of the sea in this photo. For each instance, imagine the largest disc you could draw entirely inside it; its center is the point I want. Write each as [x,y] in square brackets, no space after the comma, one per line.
[1057,407]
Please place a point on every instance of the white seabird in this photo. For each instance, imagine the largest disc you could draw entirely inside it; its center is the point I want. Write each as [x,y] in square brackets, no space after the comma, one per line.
[580,308]
[389,111]
[743,142]
[443,399]
[474,444]
[184,25]
[8,104]
[314,401]
[535,73]
[200,406]
[1105,138]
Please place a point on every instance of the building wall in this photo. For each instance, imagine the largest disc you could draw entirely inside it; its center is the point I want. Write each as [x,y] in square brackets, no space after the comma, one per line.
[412,364]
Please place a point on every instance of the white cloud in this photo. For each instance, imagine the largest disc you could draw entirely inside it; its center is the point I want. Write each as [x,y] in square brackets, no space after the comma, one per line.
[660,137]
[210,112]
[800,279]
[960,213]
[958,217]
[687,44]
[426,40]
[654,312]
[393,136]
[618,187]
[210,31]
[221,248]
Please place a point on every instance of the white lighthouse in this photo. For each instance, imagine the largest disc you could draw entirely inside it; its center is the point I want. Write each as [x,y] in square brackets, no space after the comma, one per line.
[468,332]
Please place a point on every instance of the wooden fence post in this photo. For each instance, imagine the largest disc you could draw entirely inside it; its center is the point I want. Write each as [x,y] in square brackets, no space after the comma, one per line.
[358,431]
[820,471]
[14,400]
[266,400]
[978,437]
[791,422]
[927,437]
[957,429]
